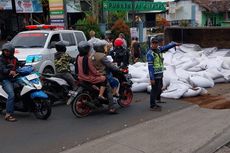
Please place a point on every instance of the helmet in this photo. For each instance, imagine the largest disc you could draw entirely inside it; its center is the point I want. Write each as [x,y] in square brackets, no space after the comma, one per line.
[61,46]
[154,40]
[118,42]
[99,46]
[8,46]
[84,48]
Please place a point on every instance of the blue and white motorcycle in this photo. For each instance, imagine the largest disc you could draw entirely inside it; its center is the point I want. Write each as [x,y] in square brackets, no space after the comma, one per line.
[28,94]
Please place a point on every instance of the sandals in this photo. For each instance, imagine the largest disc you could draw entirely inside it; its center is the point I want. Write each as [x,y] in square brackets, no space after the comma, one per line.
[10,118]
[102,98]
[113,111]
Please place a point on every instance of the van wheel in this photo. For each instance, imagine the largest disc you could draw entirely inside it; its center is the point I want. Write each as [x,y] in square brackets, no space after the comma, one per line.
[48,70]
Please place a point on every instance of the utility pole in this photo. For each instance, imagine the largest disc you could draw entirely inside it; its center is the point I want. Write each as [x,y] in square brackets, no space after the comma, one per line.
[133,13]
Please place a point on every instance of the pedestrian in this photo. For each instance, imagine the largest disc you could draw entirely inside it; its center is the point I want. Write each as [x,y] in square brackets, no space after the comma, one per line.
[8,65]
[92,39]
[136,50]
[122,36]
[156,67]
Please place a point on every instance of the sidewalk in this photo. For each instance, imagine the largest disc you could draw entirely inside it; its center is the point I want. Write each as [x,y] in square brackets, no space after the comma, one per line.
[191,130]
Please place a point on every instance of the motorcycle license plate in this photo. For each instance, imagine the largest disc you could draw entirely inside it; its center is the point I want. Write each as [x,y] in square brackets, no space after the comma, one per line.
[32,76]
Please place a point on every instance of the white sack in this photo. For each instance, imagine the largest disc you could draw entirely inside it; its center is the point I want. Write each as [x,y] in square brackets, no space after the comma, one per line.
[175,90]
[220,80]
[139,64]
[194,92]
[139,87]
[140,80]
[226,63]
[199,81]
[149,88]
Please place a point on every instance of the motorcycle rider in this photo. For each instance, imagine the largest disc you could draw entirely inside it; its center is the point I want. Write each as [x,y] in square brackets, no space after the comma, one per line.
[8,65]
[62,64]
[87,71]
[120,55]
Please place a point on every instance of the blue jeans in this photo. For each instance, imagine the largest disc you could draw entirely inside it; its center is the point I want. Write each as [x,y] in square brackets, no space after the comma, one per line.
[7,85]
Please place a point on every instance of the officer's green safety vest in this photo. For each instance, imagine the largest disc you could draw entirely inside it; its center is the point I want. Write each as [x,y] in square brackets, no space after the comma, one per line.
[158,63]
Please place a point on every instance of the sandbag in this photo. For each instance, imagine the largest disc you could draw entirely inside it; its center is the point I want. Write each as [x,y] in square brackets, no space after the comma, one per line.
[214,73]
[138,64]
[149,88]
[190,48]
[139,87]
[140,80]
[199,81]
[138,73]
[193,92]
[226,63]
[220,80]
[175,90]
[209,51]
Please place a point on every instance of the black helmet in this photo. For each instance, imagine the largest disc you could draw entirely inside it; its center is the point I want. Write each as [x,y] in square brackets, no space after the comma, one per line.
[61,46]
[8,46]
[84,48]
[99,46]
[154,40]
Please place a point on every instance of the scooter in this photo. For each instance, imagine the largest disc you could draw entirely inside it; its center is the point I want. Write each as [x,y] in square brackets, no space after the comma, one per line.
[85,100]
[28,94]
[57,88]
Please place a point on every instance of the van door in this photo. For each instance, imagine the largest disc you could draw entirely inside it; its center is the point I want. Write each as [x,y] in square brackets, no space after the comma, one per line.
[71,48]
[53,40]
[79,36]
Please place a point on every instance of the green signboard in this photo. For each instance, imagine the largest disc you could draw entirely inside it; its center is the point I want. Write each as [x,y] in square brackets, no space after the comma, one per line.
[138,6]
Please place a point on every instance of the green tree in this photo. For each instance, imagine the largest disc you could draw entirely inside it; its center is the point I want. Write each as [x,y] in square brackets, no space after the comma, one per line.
[87,24]
[121,27]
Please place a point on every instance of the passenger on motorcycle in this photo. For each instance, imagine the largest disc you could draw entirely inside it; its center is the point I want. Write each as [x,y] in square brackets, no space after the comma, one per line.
[105,66]
[86,70]
[8,65]
[62,64]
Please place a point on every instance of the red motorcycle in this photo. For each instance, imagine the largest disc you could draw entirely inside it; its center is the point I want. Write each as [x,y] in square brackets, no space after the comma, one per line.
[85,99]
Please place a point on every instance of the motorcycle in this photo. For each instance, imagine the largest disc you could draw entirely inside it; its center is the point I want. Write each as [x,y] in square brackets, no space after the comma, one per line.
[28,94]
[57,88]
[84,100]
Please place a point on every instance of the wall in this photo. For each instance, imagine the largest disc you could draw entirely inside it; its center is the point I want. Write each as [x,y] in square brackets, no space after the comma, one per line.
[184,12]
[205,37]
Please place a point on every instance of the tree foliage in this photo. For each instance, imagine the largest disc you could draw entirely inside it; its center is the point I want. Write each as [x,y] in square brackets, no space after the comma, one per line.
[87,24]
[120,27]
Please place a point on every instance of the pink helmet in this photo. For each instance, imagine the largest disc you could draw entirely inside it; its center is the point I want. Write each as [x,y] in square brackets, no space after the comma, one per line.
[118,42]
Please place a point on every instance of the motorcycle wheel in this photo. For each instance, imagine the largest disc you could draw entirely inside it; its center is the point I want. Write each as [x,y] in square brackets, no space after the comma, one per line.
[79,108]
[42,108]
[126,98]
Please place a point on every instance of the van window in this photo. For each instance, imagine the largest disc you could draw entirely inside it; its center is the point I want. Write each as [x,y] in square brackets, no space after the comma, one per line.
[69,37]
[80,37]
[30,40]
[54,39]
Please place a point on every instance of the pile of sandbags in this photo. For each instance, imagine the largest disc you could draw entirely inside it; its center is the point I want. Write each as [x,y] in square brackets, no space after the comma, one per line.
[189,70]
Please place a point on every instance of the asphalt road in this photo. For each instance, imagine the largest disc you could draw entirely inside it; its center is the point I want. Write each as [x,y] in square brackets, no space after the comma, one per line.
[63,130]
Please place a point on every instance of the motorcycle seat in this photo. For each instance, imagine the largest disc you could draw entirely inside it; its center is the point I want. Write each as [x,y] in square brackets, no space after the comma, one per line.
[87,84]
[48,75]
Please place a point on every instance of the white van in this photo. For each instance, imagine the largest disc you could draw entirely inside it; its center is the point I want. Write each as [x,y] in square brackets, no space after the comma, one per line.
[36,47]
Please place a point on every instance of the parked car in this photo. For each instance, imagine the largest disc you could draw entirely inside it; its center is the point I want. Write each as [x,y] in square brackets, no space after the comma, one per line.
[36,47]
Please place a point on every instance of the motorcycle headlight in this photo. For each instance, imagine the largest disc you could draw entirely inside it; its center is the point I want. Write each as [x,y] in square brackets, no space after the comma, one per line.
[33,58]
